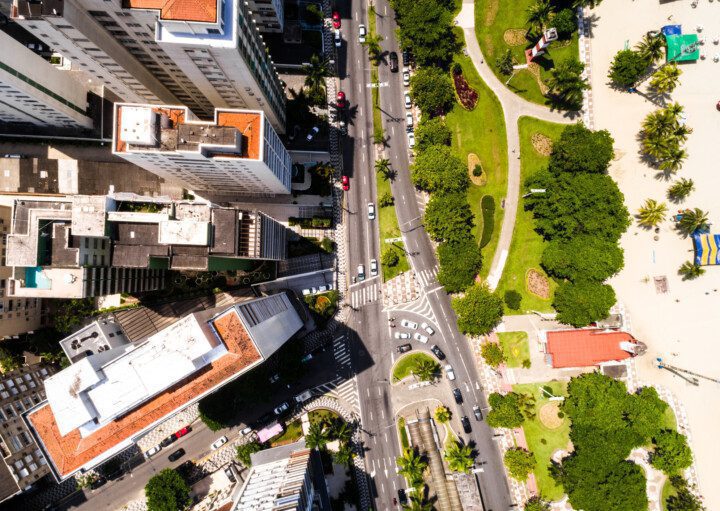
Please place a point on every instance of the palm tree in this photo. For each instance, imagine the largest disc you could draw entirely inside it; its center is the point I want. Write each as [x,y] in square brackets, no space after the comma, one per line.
[656,146]
[539,14]
[442,414]
[689,270]
[566,82]
[316,72]
[681,189]
[681,132]
[692,220]
[382,166]
[652,213]
[675,110]
[344,455]
[426,369]
[674,160]
[460,457]
[665,79]
[372,43]
[658,122]
[585,3]
[317,436]
[651,47]
[411,466]
[341,430]
[418,503]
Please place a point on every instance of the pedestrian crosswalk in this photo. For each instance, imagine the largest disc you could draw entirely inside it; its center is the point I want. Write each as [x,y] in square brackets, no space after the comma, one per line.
[420,307]
[363,295]
[341,389]
[341,351]
[427,277]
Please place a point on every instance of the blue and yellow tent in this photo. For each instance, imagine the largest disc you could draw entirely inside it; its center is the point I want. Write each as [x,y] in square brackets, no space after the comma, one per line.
[707,249]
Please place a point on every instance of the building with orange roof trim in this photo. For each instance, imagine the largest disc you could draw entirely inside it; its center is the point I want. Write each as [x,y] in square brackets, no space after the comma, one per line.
[587,347]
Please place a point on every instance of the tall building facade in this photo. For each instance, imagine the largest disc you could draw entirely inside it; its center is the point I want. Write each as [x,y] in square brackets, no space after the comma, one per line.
[238,153]
[200,53]
[34,93]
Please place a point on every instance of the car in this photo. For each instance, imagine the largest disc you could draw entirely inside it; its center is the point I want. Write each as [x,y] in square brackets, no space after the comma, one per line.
[408,101]
[373,267]
[341,102]
[438,352]
[420,337]
[153,451]
[466,424]
[337,23]
[303,396]
[406,78]
[393,62]
[338,38]
[411,138]
[409,119]
[450,372]
[406,323]
[406,58]
[230,474]
[402,335]
[345,183]
[276,377]
[322,289]
[362,33]
[306,358]
[361,272]
[477,412]
[458,396]
[182,432]
[371,211]
[177,455]
[314,131]
[427,328]
[402,496]
[167,441]
[219,442]
[343,127]
[404,348]
[265,418]
[246,430]
[281,408]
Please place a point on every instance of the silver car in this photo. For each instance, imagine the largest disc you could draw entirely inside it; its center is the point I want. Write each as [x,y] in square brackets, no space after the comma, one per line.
[362,33]
[371,211]
[409,324]
[373,267]
[420,337]
[402,335]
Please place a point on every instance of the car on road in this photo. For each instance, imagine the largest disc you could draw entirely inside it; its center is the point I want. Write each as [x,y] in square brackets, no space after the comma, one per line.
[409,119]
[153,451]
[302,397]
[230,474]
[406,78]
[338,38]
[373,267]
[314,131]
[219,443]
[458,396]
[393,62]
[361,272]
[409,324]
[402,335]
[404,348]
[411,138]
[477,412]
[337,23]
[177,455]
[341,102]
[371,211]
[167,441]
[181,432]
[345,183]
[406,58]
[420,337]
[450,372]
[466,424]
[402,496]
[362,33]
[427,328]
[246,430]
[408,101]
[438,352]
[281,408]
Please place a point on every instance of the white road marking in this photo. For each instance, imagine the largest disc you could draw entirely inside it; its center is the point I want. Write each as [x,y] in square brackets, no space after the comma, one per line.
[382,413]
[386,10]
[371,417]
[477,386]
[363,156]
[392,129]
[394,486]
[364,177]
[379,394]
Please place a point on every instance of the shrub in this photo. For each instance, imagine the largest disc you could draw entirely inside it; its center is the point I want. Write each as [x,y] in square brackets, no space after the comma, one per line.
[389,257]
[477,170]
[513,299]
[505,62]
[386,199]
[467,95]
[487,205]
[565,22]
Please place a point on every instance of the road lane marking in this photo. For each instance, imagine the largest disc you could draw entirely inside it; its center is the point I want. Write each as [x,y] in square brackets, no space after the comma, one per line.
[392,129]
[382,413]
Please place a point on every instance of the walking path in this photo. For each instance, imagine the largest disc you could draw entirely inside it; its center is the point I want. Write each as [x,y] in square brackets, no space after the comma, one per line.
[513,107]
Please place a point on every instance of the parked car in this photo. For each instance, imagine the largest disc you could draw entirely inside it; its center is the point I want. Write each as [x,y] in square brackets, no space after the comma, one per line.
[408,101]
[314,131]
[362,33]
[230,474]
[406,78]
[411,138]
[303,396]
[341,101]
[373,267]
[371,211]
[336,20]
[420,337]
[153,451]
[281,408]
[402,335]
[322,289]
[478,413]
[393,62]
[409,119]
[458,396]
[182,432]
[409,324]
[345,183]
[437,351]
[167,441]
[219,442]
[246,430]
[450,372]
[338,38]
[177,455]
[404,348]
[406,58]
[466,424]
[265,418]
[361,272]
[427,328]
[275,377]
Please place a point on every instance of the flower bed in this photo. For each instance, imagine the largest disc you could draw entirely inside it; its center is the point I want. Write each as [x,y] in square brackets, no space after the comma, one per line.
[467,95]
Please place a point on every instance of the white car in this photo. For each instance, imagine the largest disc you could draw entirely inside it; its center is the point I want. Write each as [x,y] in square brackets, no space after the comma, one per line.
[420,337]
[362,33]
[402,335]
[312,133]
[371,211]
[409,119]
[411,139]
[406,78]
[245,431]
[409,324]
[373,267]
[427,328]
[219,442]
[284,407]
[408,101]
[338,39]
[153,450]
[450,373]
[361,272]
[302,397]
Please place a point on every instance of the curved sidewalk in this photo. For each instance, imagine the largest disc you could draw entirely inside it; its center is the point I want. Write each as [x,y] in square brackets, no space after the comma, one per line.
[513,107]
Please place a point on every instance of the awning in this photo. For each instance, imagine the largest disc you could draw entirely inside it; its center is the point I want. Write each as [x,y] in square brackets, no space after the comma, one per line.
[707,249]
[681,48]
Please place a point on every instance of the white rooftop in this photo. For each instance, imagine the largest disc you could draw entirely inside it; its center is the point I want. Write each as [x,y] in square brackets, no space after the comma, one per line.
[184,232]
[138,125]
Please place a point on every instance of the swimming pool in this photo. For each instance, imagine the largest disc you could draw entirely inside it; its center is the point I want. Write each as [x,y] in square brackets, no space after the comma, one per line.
[35,278]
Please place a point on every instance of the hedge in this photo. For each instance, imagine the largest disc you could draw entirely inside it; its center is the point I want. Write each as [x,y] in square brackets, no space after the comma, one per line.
[488,212]
[314,222]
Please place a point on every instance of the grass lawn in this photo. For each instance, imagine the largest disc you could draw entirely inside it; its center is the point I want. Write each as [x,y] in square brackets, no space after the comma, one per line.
[667,491]
[515,347]
[404,440]
[405,365]
[482,131]
[389,228]
[293,432]
[527,245]
[449,436]
[536,431]
[492,21]
[322,415]
[668,419]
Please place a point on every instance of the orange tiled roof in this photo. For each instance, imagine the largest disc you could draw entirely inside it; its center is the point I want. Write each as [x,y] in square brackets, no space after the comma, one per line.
[176,116]
[204,11]
[249,125]
[586,347]
[71,451]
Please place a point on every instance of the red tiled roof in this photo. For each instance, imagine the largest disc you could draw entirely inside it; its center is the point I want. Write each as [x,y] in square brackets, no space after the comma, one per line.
[204,11]
[249,125]
[586,347]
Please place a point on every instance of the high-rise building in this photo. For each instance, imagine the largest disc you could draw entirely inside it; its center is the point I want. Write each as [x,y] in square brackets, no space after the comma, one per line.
[268,15]
[199,53]
[238,153]
[34,93]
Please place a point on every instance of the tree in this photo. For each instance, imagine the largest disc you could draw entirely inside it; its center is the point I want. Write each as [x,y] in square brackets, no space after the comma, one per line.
[372,43]
[565,22]
[426,369]
[538,14]
[442,414]
[627,68]
[432,91]
[492,353]
[692,220]
[665,79]
[341,430]
[479,311]
[418,503]
[536,504]
[86,480]
[684,499]
[344,455]
[382,167]
[245,450]
[566,83]
[652,213]
[583,258]
[389,257]
[513,299]
[71,314]
[519,463]
[580,303]
[460,457]
[8,361]
[426,26]
[460,261]
[437,169]
[448,217]
[651,47]
[505,62]
[315,73]
[506,410]
[672,452]
[582,150]
[215,412]
[680,189]
[386,200]
[167,491]
[585,3]
[689,270]
[317,436]
[431,131]
[411,465]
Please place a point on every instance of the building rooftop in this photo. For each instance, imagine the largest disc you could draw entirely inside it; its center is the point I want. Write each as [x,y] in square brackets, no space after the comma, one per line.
[203,11]
[588,347]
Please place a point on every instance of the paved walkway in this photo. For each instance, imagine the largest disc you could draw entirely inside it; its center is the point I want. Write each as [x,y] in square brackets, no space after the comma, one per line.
[513,107]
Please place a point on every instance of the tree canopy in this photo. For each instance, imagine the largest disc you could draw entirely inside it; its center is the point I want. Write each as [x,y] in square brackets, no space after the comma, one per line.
[584,257]
[431,131]
[432,90]
[437,169]
[506,411]
[245,450]
[460,261]
[580,303]
[672,452]
[167,491]
[519,463]
[448,217]
[492,353]
[582,150]
[479,311]
[426,27]
[627,67]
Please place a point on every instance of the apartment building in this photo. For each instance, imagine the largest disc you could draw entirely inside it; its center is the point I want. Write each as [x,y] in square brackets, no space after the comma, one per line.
[237,153]
[34,93]
[268,15]
[23,462]
[204,54]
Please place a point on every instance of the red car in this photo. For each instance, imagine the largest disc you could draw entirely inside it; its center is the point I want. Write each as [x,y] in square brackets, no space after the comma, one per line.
[336,19]
[341,102]
[184,431]
[346,183]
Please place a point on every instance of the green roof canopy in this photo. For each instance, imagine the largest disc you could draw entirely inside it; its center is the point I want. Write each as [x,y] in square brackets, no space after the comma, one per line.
[682,48]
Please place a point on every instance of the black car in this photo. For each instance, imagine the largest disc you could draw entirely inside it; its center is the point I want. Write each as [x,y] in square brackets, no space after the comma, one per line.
[466,424]
[406,58]
[177,455]
[168,440]
[458,396]
[438,352]
[477,412]
[230,474]
[393,62]
[402,496]
[403,348]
